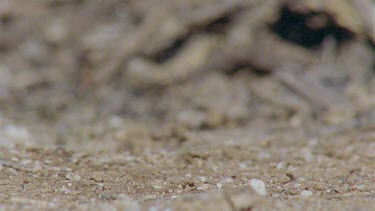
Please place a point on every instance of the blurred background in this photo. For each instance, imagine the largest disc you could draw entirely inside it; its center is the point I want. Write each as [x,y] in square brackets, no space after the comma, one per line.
[125,104]
[74,65]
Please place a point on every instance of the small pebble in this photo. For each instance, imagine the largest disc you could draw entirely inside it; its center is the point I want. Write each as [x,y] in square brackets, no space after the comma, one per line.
[258,186]
[280,165]
[306,193]
[219,185]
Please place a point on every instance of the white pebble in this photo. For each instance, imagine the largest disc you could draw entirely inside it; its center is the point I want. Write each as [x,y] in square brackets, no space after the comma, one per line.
[258,186]
[219,185]
[280,165]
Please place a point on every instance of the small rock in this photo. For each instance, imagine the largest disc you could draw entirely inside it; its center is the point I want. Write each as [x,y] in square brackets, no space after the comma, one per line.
[219,185]
[280,165]
[258,186]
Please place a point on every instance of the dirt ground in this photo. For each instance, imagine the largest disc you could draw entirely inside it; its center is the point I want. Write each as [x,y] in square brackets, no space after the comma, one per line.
[193,105]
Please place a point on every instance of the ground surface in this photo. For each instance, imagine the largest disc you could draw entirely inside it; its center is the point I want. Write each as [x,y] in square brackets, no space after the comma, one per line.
[85,124]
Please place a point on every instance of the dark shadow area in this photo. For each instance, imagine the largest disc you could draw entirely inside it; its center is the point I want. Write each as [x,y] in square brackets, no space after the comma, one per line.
[308,29]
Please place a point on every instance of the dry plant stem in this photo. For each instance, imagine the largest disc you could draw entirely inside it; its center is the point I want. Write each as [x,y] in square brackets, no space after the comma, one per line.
[272,91]
[320,98]
[248,42]
[130,45]
[182,25]
[150,38]
[16,166]
[267,52]
[151,74]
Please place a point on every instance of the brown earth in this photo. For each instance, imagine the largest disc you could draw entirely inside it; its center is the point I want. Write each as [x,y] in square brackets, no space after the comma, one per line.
[134,105]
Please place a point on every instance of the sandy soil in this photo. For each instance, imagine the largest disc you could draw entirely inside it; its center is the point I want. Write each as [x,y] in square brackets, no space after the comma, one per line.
[80,136]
